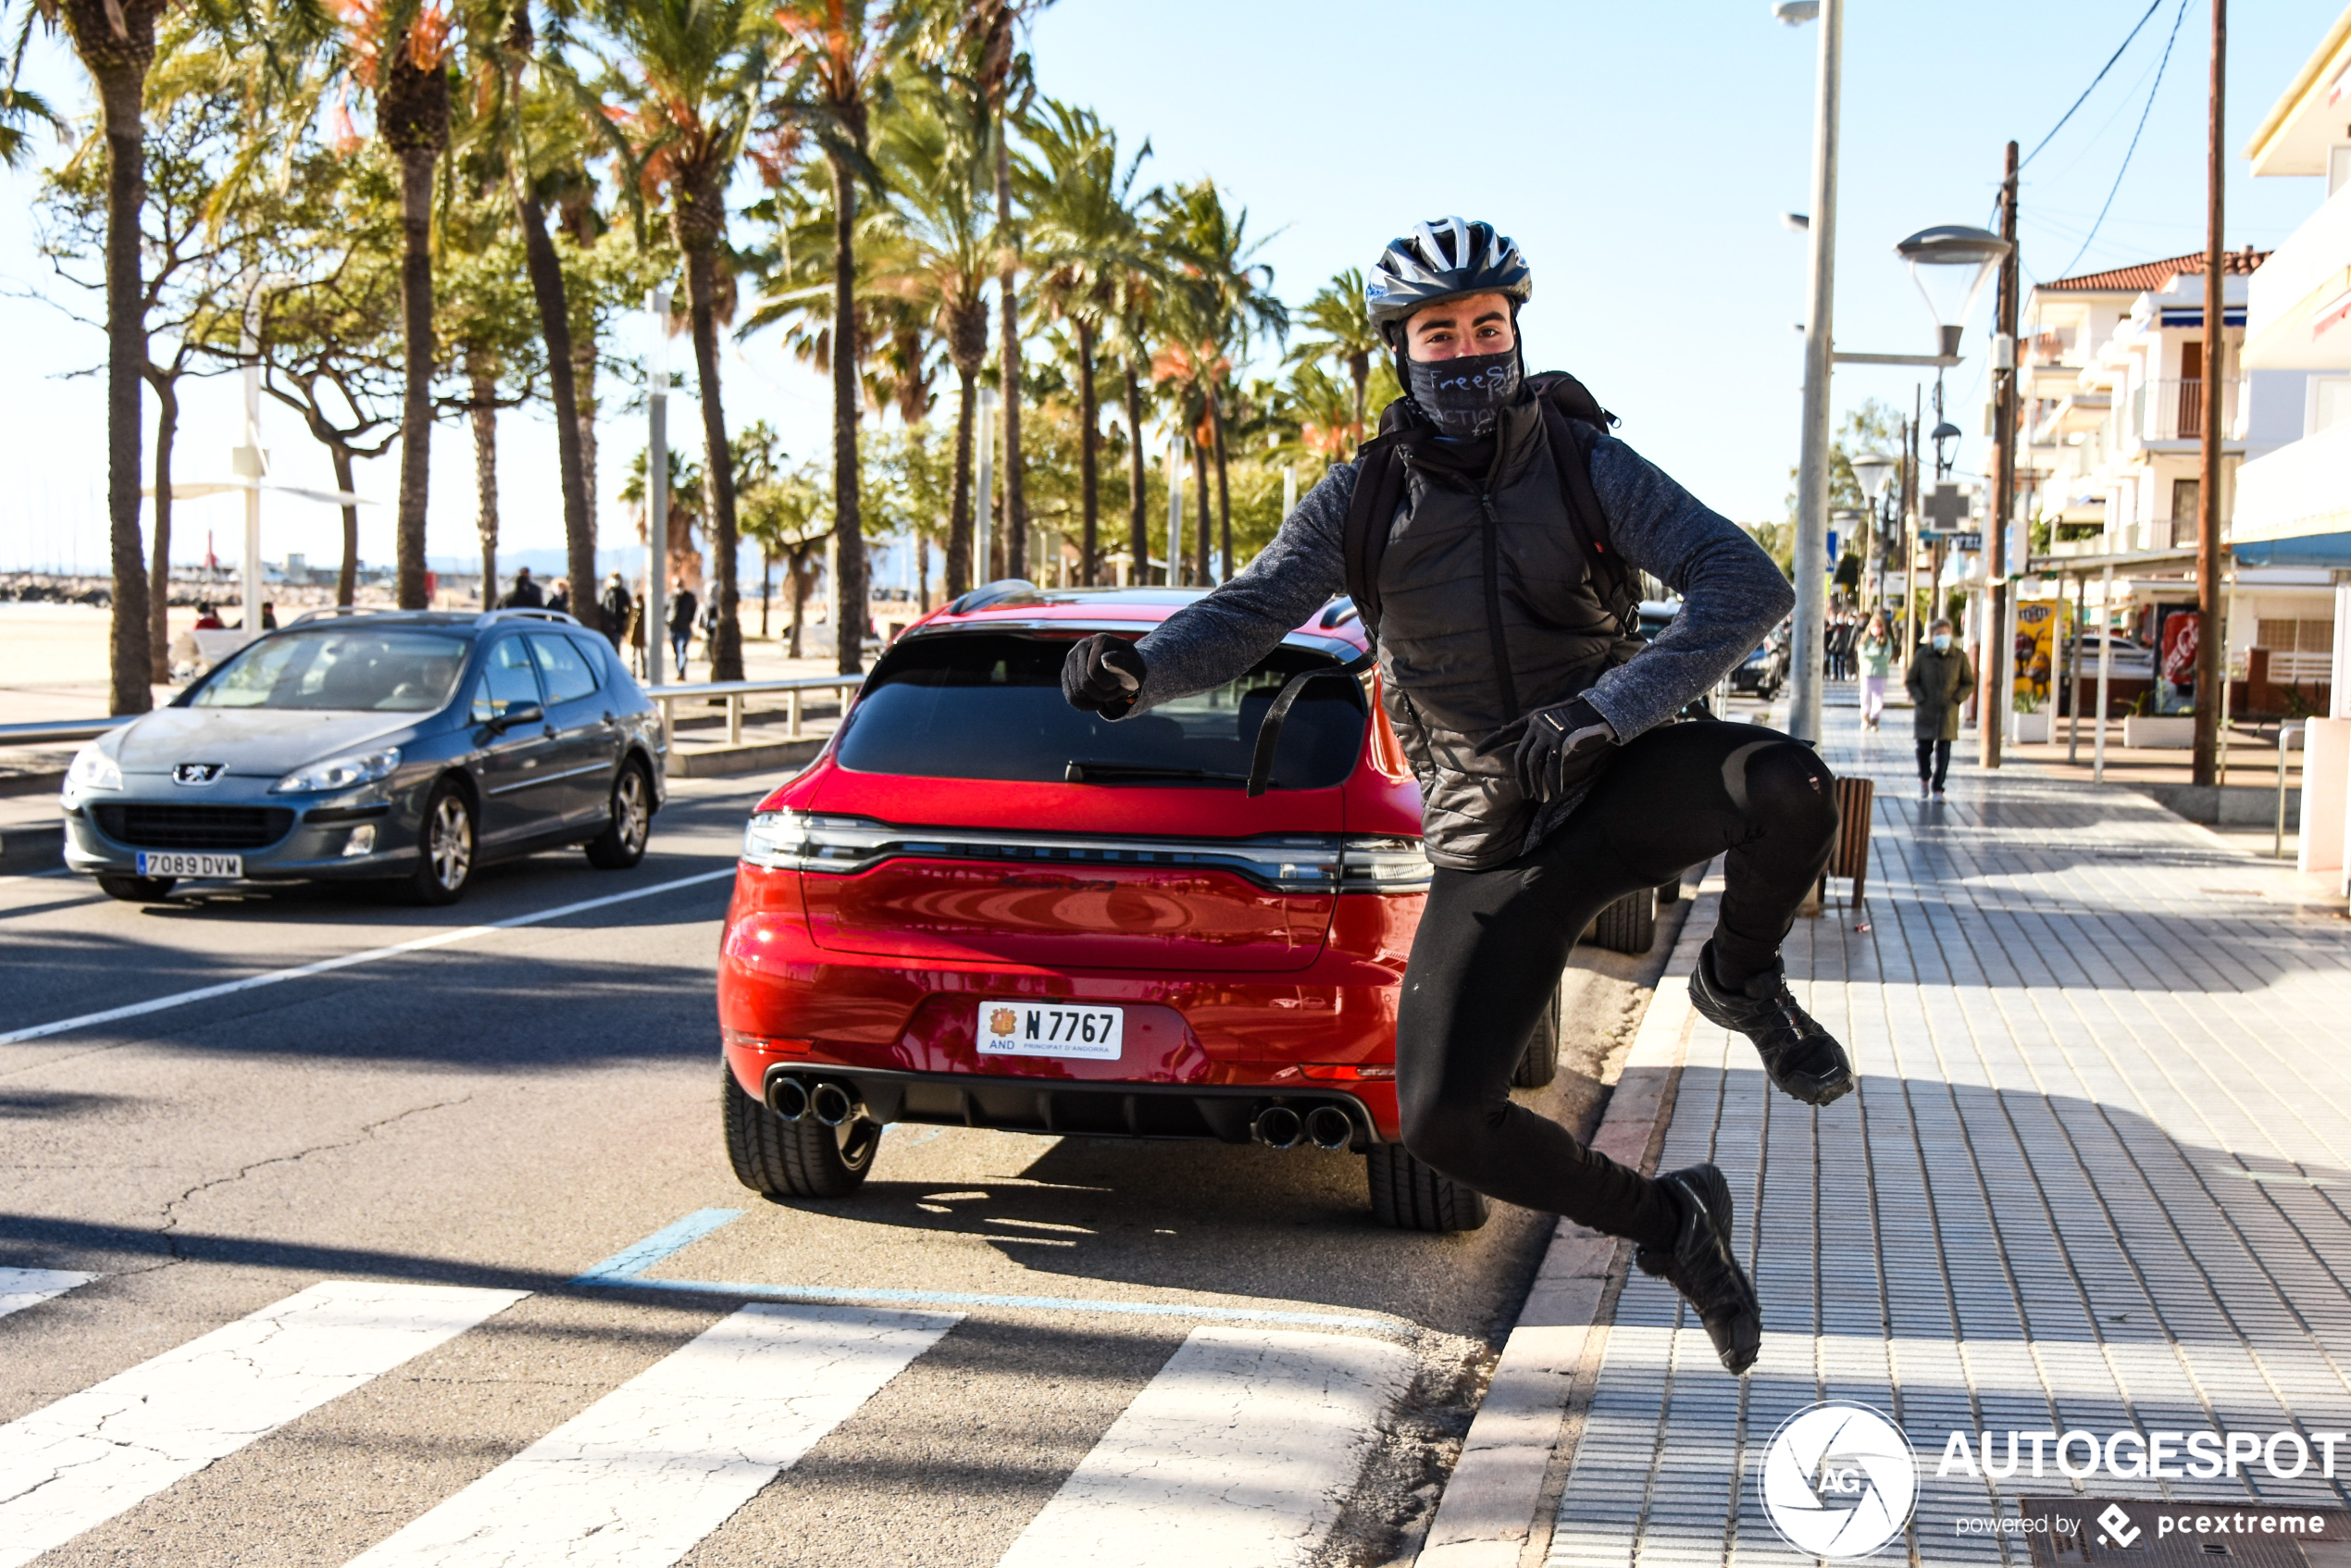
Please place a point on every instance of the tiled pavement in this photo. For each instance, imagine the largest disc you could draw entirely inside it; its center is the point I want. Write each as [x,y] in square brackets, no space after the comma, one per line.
[2098,1176]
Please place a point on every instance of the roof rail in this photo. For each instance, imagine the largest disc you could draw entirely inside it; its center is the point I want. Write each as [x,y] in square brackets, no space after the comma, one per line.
[331,611]
[1003,590]
[489,618]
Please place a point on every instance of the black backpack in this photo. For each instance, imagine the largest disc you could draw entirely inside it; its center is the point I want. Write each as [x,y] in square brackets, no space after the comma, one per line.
[1570,411]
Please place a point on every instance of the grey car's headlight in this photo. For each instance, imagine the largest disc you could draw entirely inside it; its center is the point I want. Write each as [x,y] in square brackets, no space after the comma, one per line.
[93,769]
[339,773]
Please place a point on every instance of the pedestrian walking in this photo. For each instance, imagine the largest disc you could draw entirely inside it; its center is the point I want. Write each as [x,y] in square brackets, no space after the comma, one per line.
[1939,680]
[559,596]
[1486,537]
[525,595]
[1874,656]
[615,604]
[681,620]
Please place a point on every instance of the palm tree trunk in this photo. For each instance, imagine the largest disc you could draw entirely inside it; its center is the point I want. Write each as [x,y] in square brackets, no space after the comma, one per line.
[959,515]
[1224,489]
[121,86]
[1007,271]
[347,584]
[484,415]
[416,406]
[584,401]
[767,582]
[1359,366]
[718,464]
[159,563]
[554,326]
[1088,471]
[922,571]
[799,575]
[1200,510]
[1138,520]
[848,523]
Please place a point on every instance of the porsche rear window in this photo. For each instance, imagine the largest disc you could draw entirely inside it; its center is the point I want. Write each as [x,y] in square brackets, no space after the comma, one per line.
[989,705]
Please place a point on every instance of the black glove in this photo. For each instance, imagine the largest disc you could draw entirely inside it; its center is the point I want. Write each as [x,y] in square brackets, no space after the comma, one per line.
[1102,675]
[1558,749]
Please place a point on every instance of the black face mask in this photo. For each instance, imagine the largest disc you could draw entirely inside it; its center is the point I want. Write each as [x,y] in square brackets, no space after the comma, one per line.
[1464,397]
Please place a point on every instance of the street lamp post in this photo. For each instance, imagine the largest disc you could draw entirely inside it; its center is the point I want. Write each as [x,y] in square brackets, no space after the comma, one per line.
[1812,461]
[1875,472]
[656,484]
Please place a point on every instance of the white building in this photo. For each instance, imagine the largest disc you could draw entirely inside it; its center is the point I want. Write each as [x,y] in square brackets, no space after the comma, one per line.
[2294,504]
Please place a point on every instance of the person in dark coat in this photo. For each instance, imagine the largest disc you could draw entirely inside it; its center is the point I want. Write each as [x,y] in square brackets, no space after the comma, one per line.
[525,595]
[681,620]
[1939,680]
[615,605]
[559,600]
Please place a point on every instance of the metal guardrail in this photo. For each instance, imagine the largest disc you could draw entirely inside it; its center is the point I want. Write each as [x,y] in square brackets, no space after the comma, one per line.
[60,729]
[736,691]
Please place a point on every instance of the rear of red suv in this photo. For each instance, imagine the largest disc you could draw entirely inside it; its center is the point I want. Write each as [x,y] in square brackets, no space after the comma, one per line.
[981,907]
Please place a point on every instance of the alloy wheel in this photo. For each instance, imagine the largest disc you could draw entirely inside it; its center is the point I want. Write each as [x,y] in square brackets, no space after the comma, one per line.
[450,842]
[631,811]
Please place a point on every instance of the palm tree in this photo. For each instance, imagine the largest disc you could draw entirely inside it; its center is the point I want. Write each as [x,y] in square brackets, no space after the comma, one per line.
[835,52]
[1088,243]
[1339,313]
[115,40]
[695,75]
[1224,298]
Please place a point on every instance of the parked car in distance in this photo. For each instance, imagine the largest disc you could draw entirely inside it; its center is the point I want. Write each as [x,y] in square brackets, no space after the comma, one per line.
[2128,659]
[981,907]
[374,746]
[1763,672]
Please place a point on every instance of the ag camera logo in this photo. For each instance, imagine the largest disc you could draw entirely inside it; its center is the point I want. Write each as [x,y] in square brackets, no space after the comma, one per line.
[1838,1480]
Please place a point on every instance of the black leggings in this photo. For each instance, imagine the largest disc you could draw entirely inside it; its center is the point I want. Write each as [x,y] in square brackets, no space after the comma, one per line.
[1492,944]
[1934,754]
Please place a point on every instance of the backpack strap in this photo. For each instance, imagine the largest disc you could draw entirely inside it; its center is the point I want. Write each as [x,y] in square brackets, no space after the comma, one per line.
[1571,451]
[1379,489]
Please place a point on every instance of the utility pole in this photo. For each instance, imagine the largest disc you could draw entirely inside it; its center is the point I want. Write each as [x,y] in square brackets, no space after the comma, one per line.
[656,619]
[1912,490]
[1820,348]
[1992,707]
[2212,635]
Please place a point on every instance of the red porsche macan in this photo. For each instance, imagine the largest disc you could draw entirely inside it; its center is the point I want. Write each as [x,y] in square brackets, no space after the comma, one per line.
[981,907]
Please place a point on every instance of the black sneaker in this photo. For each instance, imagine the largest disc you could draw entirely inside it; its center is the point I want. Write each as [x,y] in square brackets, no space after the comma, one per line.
[1802,1058]
[1703,1266]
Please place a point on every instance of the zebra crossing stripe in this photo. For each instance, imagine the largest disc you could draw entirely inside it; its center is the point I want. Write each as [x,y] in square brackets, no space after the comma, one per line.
[640,1475]
[1239,1452]
[78,1463]
[22,1288]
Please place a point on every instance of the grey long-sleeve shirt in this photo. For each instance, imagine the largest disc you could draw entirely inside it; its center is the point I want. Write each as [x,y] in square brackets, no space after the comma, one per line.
[1731,594]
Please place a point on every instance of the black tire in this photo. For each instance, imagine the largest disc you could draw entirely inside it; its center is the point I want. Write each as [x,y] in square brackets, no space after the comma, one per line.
[1407,1195]
[805,1159]
[1539,1063]
[445,846]
[622,843]
[1629,925]
[1669,893]
[135,890]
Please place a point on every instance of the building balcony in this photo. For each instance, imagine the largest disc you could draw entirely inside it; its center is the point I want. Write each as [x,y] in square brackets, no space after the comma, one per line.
[2077,412]
[2303,487]
[2157,414]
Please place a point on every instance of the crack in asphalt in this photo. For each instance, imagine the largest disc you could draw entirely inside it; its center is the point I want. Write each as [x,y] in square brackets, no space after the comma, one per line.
[365,1132]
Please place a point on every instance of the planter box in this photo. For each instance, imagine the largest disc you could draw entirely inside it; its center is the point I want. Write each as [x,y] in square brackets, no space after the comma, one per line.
[2033,729]
[2176,733]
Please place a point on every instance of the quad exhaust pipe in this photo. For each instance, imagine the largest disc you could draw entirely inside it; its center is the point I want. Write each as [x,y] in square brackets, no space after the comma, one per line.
[834,1105]
[1325,1126]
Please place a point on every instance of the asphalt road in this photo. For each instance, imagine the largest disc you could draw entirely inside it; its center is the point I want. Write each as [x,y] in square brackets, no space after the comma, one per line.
[989,1352]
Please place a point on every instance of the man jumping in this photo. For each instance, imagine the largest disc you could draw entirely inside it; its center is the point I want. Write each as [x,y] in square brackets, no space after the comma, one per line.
[1485,537]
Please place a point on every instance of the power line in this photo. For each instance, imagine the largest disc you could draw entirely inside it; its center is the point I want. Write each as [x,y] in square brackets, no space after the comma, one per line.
[2177,18]
[2152,7]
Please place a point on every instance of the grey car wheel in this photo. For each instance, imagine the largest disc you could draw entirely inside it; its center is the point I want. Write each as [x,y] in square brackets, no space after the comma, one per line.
[622,843]
[445,846]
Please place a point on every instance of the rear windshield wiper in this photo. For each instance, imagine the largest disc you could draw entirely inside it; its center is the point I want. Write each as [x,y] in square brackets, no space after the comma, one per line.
[1111,772]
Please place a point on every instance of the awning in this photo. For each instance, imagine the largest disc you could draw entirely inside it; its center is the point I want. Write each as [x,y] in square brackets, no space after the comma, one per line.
[2329,550]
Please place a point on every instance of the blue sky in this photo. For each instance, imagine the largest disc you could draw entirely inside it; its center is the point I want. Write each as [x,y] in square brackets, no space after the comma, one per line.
[1641,155]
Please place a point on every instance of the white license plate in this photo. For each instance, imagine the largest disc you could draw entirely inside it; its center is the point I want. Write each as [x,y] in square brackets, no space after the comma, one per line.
[173,862]
[1037,1028]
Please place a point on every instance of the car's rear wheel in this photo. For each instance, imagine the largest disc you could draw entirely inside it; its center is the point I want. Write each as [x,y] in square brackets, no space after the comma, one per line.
[135,890]
[622,843]
[1539,1063]
[803,1159]
[444,847]
[1629,925]
[1407,1195]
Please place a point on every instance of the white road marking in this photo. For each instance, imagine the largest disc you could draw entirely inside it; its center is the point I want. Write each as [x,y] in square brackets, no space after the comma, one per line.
[88,1457]
[1238,1453]
[351,960]
[637,1477]
[22,1288]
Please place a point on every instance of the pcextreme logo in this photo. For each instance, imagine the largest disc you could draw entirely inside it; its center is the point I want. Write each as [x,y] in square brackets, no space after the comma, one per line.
[1838,1480]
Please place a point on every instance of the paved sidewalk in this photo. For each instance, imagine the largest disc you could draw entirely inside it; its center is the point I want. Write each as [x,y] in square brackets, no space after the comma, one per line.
[2098,1177]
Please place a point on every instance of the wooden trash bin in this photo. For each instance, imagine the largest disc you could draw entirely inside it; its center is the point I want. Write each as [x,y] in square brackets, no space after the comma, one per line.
[1856,799]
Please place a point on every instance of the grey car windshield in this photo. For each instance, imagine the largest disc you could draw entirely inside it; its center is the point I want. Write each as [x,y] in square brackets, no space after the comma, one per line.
[341,668]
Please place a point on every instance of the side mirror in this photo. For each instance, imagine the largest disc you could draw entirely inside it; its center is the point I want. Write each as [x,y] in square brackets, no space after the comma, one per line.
[520,713]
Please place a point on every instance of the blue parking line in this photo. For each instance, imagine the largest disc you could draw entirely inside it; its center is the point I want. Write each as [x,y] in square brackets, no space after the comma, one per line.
[626,1270]
[630,1261]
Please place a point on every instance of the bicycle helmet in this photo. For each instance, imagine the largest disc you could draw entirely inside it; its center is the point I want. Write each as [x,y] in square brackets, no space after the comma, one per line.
[1443,260]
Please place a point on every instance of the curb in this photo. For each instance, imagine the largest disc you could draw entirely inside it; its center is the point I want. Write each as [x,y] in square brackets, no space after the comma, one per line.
[1492,1507]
